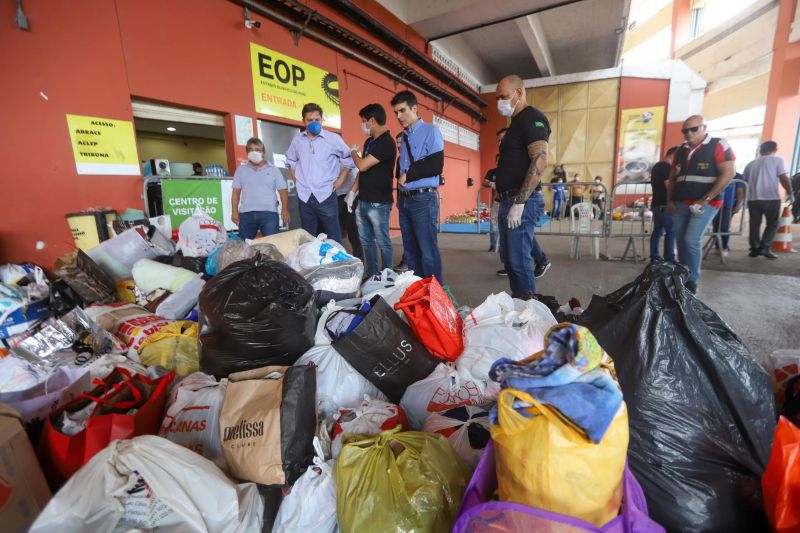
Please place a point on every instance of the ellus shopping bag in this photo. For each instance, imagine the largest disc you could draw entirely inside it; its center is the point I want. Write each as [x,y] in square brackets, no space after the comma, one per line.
[385,351]
[268,422]
[544,462]
[121,406]
[433,318]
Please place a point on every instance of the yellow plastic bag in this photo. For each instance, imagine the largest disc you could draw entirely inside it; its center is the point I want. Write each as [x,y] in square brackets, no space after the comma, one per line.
[398,482]
[547,463]
[174,347]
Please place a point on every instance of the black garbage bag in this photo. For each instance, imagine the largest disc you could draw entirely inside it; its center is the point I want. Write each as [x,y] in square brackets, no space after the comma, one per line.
[255,313]
[700,408]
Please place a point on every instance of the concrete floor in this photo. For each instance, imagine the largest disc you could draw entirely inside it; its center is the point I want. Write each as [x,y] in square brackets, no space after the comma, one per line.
[758,298]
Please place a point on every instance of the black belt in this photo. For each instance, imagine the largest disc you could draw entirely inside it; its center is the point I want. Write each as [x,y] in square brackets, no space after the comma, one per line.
[505,195]
[412,192]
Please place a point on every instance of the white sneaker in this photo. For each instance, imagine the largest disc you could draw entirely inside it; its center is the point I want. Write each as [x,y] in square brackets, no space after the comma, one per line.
[725,253]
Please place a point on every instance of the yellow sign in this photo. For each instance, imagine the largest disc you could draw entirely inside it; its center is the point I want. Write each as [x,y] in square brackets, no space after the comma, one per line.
[283,85]
[639,142]
[103,145]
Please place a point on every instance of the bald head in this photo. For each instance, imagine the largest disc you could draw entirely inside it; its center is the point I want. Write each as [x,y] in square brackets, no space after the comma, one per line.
[694,130]
[512,89]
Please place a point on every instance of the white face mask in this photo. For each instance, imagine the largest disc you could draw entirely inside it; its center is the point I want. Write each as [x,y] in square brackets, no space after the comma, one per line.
[365,128]
[255,157]
[505,108]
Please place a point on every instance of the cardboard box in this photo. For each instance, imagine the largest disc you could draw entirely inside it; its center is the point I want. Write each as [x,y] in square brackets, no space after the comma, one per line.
[23,489]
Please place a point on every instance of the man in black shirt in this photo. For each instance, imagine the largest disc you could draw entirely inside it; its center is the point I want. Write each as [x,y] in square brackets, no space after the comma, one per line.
[523,158]
[662,217]
[374,187]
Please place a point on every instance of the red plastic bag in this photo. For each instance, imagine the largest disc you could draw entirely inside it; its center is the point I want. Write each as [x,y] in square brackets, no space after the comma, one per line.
[433,318]
[62,455]
[781,480]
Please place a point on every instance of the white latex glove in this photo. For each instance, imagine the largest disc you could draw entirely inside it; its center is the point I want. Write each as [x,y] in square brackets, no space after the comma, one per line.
[515,215]
[355,148]
[349,199]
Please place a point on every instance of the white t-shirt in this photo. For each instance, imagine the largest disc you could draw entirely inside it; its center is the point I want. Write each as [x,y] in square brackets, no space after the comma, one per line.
[762,174]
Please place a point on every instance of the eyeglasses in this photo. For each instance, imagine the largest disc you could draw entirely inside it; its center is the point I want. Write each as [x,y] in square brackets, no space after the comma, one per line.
[693,129]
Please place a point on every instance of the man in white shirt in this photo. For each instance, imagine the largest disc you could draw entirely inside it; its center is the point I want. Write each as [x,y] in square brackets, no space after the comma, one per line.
[765,175]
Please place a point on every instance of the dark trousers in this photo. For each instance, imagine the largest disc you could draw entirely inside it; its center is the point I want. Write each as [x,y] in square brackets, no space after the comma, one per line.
[796,206]
[349,226]
[252,221]
[770,210]
[323,216]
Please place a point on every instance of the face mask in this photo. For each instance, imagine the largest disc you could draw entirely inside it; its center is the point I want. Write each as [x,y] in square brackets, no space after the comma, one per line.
[314,128]
[364,128]
[255,157]
[505,108]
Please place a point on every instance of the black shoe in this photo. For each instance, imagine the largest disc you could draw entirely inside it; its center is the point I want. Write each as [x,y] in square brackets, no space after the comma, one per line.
[502,272]
[492,249]
[402,267]
[541,270]
[754,254]
[769,254]
[691,286]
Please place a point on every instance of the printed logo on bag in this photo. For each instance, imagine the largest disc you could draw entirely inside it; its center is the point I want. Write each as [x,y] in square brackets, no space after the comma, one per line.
[400,354]
[467,394]
[243,430]
[184,426]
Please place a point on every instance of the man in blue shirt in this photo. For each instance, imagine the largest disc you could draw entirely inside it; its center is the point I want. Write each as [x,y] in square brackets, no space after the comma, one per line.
[421,161]
[319,162]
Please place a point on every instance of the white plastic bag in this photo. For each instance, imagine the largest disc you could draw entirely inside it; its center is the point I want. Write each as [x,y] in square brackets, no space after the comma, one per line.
[502,327]
[178,304]
[391,288]
[151,483]
[339,385]
[321,337]
[310,506]
[192,416]
[443,389]
[150,275]
[320,251]
[465,428]
[370,418]
[199,235]
[39,400]
[118,254]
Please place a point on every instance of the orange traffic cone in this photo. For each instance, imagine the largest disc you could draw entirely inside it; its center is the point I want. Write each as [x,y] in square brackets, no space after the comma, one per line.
[783,239]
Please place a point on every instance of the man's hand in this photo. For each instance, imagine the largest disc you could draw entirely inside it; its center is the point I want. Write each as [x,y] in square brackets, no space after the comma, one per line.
[349,199]
[235,217]
[285,215]
[402,179]
[355,148]
[672,208]
[515,216]
[736,209]
[338,183]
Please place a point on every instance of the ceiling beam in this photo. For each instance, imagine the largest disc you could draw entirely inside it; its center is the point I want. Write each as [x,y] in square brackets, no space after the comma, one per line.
[504,19]
[533,33]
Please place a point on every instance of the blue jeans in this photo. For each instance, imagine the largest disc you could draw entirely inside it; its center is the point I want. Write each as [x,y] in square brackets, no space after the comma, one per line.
[689,231]
[419,225]
[252,221]
[494,231]
[325,215]
[662,225]
[519,244]
[373,232]
[556,213]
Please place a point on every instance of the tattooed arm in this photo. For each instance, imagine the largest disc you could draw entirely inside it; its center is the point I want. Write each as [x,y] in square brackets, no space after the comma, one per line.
[537,151]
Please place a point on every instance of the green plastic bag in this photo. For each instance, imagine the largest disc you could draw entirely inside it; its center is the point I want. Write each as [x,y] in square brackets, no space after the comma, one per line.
[398,482]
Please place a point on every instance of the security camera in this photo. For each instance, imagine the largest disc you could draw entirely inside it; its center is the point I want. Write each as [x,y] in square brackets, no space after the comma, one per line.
[248,22]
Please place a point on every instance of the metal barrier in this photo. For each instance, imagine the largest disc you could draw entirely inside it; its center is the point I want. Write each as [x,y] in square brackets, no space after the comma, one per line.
[627,216]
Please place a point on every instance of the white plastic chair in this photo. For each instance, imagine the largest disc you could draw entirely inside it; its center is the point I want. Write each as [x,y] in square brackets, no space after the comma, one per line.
[582,227]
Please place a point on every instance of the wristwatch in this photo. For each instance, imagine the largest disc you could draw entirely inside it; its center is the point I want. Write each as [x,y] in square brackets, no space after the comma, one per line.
[706,198]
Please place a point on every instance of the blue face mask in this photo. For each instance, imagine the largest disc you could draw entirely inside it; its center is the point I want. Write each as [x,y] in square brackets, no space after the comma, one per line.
[314,128]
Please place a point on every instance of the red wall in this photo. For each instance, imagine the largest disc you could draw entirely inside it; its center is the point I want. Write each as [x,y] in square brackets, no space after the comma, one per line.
[91,56]
[640,92]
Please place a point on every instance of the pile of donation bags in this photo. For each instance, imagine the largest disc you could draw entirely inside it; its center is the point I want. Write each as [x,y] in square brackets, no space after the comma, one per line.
[284,393]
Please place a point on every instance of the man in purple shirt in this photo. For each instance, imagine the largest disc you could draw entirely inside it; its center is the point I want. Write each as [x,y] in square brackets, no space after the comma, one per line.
[319,162]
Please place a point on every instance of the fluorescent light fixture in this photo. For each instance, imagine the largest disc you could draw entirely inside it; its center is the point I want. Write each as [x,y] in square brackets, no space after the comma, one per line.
[170,128]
